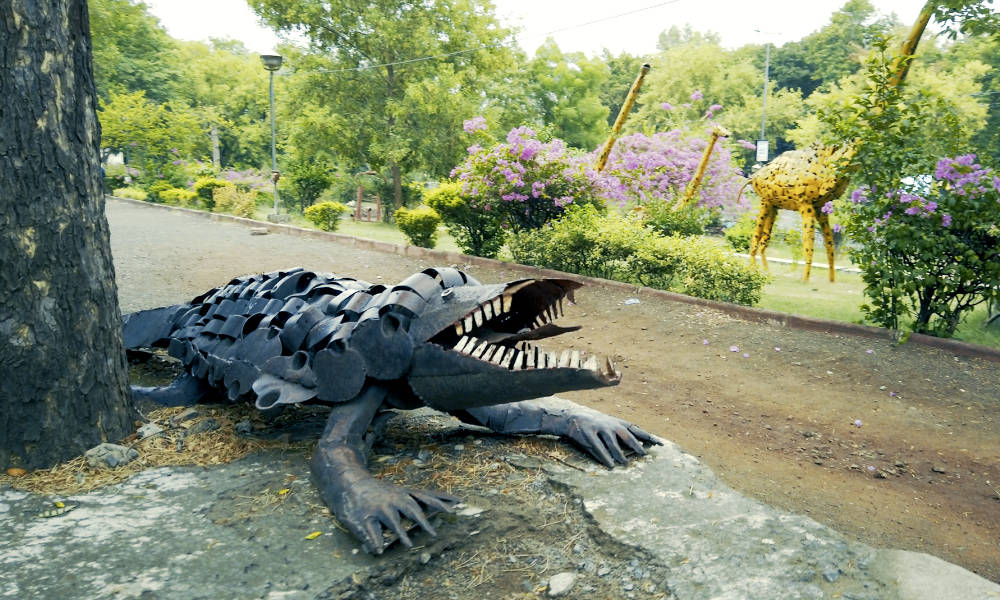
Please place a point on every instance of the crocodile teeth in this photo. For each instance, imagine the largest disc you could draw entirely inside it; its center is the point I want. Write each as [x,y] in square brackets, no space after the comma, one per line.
[478,317]
[529,359]
[508,301]
[497,307]
[498,355]
[482,348]
[460,346]
[511,356]
[468,323]
[459,328]
[611,367]
[469,345]
[564,359]
[487,311]
[591,364]
[574,360]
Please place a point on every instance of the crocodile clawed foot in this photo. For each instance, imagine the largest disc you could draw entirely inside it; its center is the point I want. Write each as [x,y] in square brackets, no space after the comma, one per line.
[373,510]
[608,438]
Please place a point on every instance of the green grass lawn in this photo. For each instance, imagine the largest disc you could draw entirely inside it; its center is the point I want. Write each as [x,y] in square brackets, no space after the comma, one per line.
[840,301]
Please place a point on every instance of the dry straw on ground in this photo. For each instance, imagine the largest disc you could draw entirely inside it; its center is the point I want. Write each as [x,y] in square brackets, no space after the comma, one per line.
[172,447]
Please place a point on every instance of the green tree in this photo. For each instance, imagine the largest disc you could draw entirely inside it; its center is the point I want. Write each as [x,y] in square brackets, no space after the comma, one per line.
[834,51]
[622,71]
[132,52]
[925,251]
[227,90]
[152,136]
[388,74]
[567,90]
[687,79]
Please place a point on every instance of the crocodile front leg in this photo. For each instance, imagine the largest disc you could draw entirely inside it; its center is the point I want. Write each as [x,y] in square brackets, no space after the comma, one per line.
[599,434]
[363,504]
[185,390]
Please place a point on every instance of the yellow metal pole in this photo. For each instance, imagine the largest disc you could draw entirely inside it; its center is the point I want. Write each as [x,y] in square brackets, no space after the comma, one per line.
[602,160]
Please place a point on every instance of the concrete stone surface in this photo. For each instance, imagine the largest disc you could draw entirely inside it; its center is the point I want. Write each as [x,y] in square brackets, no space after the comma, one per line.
[226,532]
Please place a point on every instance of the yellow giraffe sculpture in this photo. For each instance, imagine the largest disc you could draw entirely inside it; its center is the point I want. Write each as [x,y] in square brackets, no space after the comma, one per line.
[717,132]
[805,180]
[633,92]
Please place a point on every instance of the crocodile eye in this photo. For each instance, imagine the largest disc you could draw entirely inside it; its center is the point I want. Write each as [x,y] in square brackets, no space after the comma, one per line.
[447,295]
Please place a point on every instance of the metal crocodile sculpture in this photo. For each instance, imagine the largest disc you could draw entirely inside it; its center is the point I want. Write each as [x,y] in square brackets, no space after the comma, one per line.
[439,338]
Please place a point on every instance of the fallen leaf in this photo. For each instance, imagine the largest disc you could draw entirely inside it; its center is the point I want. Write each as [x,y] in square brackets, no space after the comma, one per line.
[314,535]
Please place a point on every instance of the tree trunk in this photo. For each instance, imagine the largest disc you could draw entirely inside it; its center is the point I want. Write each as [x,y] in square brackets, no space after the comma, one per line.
[216,162]
[63,374]
[397,184]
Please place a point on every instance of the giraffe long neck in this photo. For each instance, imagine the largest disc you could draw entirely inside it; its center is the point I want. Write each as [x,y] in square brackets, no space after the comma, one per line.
[902,66]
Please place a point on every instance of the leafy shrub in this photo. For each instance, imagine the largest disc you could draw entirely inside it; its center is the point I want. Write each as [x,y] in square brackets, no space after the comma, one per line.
[308,179]
[615,247]
[739,235]
[476,232]
[933,256]
[156,188]
[525,182]
[117,176]
[792,239]
[178,197]
[663,219]
[133,193]
[419,225]
[326,215]
[205,187]
[230,199]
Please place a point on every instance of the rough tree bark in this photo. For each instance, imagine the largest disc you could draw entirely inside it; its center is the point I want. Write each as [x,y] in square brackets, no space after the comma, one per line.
[63,374]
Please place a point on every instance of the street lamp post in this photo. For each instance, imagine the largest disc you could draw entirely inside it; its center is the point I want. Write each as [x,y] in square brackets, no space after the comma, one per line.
[272,62]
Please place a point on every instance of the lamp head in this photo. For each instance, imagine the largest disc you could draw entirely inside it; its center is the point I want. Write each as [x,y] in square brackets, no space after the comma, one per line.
[272,62]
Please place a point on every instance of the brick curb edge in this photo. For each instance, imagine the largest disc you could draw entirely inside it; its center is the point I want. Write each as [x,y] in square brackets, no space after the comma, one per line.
[746,313]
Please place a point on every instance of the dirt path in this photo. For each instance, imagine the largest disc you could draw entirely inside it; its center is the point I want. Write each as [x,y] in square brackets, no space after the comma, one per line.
[776,418]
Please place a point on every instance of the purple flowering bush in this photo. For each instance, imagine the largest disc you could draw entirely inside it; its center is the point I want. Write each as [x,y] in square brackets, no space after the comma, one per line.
[931,254]
[525,182]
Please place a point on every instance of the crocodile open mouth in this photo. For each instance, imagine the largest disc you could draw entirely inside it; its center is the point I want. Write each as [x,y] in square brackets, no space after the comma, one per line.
[501,330]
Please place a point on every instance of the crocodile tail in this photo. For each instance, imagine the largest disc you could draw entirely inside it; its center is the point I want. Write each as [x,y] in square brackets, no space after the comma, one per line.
[149,328]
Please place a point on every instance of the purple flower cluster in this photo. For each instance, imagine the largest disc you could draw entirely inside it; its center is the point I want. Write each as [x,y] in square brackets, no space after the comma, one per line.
[474,124]
[827,208]
[696,96]
[645,168]
[524,181]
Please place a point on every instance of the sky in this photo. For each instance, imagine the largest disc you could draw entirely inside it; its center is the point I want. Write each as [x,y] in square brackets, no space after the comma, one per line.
[585,26]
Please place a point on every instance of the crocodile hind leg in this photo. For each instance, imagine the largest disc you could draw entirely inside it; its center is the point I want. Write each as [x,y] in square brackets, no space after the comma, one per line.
[183,391]
[361,503]
[601,435]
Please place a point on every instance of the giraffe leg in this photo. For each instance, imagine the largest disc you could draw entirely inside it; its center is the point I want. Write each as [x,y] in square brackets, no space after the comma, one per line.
[808,235]
[760,233]
[768,219]
[824,223]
